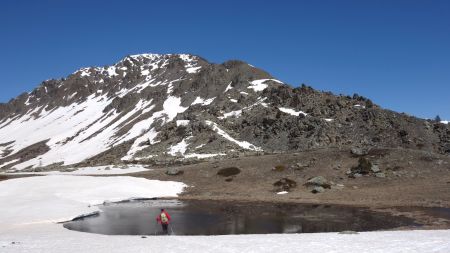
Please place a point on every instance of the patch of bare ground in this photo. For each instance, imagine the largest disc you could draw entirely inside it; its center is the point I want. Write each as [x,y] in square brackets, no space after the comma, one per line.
[411,178]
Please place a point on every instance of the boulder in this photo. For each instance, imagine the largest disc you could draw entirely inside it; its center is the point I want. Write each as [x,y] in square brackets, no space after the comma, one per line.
[301,165]
[364,166]
[318,189]
[380,175]
[359,151]
[375,168]
[174,171]
[357,175]
[318,181]
[285,184]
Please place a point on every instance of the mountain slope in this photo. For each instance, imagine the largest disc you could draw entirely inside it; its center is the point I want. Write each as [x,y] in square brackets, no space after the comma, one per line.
[154,108]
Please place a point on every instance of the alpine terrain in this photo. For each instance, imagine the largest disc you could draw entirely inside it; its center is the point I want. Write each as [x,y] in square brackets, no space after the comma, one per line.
[180,108]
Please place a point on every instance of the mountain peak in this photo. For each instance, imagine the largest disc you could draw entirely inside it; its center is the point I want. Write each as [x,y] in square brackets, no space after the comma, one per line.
[153,108]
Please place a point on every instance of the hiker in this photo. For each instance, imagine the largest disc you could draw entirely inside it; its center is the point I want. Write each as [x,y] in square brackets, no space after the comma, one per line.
[163,218]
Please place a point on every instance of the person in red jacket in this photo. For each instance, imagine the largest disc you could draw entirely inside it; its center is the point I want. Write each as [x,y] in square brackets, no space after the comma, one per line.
[164,218]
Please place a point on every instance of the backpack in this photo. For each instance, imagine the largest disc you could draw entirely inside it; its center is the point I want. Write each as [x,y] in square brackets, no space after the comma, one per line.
[164,218]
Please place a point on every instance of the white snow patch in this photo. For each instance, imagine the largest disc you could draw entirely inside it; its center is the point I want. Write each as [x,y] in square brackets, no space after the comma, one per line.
[72,95]
[179,148]
[198,100]
[182,122]
[87,171]
[150,56]
[10,162]
[229,87]
[359,106]
[328,120]
[200,146]
[242,144]
[111,71]
[259,85]
[444,121]
[282,192]
[202,101]
[238,113]
[208,101]
[233,100]
[137,146]
[202,156]
[291,111]
[231,114]
[193,69]
[28,101]
[172,106]
[191,64]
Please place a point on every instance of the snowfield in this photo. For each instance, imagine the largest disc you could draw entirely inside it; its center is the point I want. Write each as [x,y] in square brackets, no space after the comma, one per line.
[87,171]
[56,198]
[31,206]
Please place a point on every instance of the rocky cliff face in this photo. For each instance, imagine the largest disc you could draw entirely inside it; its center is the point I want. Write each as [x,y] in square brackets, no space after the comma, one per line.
[153,108]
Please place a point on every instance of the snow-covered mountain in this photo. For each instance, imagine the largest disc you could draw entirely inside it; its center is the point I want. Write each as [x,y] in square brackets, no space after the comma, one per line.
[153,108]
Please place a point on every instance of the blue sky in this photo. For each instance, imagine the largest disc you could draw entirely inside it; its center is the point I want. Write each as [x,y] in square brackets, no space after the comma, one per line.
[397,53]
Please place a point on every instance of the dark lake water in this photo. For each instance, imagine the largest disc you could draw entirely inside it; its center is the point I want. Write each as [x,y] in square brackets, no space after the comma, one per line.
[221,218]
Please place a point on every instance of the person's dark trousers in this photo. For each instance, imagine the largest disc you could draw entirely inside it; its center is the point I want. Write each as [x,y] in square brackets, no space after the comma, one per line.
[165,228]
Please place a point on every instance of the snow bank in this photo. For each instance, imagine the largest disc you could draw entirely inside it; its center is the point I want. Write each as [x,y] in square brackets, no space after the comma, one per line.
[53,240]
[47,199]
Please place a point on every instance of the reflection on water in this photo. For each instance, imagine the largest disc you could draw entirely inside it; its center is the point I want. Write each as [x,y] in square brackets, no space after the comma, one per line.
[220,218]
